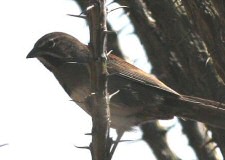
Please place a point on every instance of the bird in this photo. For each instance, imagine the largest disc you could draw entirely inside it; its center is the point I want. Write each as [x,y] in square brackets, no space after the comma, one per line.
[138,97]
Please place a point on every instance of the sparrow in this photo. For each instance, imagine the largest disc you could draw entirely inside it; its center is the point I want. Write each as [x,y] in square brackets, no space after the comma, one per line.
[139,97]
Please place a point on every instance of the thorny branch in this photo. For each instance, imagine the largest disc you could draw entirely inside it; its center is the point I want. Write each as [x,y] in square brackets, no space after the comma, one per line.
[99,100]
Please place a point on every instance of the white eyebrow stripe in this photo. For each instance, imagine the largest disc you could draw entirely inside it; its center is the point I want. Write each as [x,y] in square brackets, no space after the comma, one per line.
[52,40]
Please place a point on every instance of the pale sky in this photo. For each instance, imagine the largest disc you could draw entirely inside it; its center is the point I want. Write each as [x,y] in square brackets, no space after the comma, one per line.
[37,118]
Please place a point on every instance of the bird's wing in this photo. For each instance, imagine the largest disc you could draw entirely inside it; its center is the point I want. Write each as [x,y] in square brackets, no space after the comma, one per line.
[117,66]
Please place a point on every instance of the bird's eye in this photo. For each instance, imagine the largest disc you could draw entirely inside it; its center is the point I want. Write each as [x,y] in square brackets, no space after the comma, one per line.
[50,43]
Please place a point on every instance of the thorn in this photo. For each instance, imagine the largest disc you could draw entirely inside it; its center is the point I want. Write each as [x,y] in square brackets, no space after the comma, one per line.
[79,16]
[124,141]
[88,134]
[207,61]
[107,54]
[104,55]
[113,94]
[77,101]
[109,32]
[117,8]
[87,9]
[87,147]
[83,12]
[112,74]
[4,144]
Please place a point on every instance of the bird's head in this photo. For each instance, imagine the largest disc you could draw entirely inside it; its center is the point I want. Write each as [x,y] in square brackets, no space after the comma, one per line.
[56,48]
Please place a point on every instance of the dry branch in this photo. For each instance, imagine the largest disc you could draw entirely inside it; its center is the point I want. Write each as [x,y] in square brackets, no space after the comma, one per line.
[172,47]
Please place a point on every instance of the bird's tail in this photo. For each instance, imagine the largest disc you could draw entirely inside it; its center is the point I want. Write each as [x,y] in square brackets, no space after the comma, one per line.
[199,109]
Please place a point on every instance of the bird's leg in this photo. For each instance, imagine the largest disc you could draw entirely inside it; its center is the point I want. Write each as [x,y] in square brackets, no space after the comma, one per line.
[119,136]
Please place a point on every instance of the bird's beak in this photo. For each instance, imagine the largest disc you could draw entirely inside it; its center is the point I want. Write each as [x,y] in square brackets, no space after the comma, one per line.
[36,53]
[32,54]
